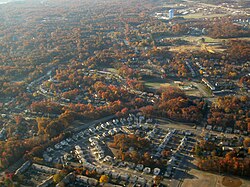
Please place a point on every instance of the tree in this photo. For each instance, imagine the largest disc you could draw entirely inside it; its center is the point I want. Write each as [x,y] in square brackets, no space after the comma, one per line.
[246,142]
[134,155]
[147,156]
[124,111]
[8,182]
[18,119]
[165,153]
[147,110]
[244,98]
[57,178]
[56,126]
[198,151]
[104,179]
[157,179]
[41,124]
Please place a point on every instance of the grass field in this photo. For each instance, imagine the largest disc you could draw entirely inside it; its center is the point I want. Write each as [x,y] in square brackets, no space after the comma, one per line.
[206,179]
[196,46]
[195,93]
[195,39]
[200,15]
[156,82]
[213,45]
[211,40]
[217,46]
[216,49]
[156,85]
[113,70]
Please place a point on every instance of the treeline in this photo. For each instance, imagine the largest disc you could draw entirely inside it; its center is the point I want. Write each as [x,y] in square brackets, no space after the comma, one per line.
[230,165]
[174,104]
[239,50]
[49,133]
[212,157]
[231,111]
[225,28]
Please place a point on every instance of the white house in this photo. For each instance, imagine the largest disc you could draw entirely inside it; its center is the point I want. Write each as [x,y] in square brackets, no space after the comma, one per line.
[124,176]
[139,167]
[147,170]
[141,181]
[114,175]
[133,179]
[157,171]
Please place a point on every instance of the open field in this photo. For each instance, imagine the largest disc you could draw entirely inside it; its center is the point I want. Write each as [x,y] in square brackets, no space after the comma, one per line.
[215,49]
[157,85]
[200,15]
[195,39]
[112,70]
[185,48]
[197,46]
[206,179]
[156,82]
[213,45]
[195,93]
[217,40]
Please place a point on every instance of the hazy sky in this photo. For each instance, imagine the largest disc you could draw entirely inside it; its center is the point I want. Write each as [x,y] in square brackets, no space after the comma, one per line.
[4,1]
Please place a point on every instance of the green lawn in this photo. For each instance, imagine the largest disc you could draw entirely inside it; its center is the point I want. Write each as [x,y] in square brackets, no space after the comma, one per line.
[200,15]
[156,85]
[113,70]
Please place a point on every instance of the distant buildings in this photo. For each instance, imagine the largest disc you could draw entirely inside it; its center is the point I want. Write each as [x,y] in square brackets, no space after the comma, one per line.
[165,16]
[171,13]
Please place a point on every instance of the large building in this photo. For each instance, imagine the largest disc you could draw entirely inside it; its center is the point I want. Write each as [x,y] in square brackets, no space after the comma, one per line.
[171,13]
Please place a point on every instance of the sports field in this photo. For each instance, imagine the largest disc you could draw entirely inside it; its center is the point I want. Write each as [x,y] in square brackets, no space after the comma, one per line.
[206,179]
